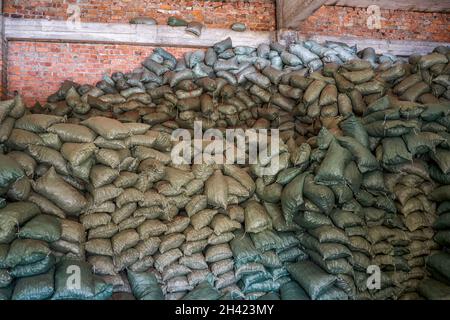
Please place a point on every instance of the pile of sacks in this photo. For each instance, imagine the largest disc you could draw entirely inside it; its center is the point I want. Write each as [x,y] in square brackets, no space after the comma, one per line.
[329,198]
[406,237]
[160,91]
[117,180]
[438,264]
[99,159]
[35,258]
[25,252]
[437,286]
[261,258]
[413,150]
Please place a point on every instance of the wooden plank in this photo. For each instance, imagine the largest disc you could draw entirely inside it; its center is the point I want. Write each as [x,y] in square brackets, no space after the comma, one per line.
[290,13]
[293,12]
[3,55]
[279,14]
[410,5]
[44,30]
[159,35]
[396,47]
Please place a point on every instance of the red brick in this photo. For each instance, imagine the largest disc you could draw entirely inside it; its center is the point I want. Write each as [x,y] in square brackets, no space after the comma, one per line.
[258,15]
[36,69]
[50,63]
[395,24]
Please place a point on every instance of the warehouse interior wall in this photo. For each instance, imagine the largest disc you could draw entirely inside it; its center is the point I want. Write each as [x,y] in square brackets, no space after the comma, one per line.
[258,15]
[394,24]
[36,69]
[3,52]
[350,199]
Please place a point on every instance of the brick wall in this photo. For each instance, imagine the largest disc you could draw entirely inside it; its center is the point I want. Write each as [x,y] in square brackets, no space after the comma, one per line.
[36,69]
[395,24]
[2,93]
[258,15]
[3,51]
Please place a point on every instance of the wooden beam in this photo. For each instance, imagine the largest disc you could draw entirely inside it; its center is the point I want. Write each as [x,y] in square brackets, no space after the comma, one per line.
[118,33]
[396,47]
[290,13]
[279,14]
[3,55]
[295,11]
[410,5]
[60,31]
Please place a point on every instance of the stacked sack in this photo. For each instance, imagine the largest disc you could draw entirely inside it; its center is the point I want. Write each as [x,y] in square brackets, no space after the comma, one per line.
[324,201]
[162,88]
[394,127]
[268,243]
[72,234]
[415,216]
[261,259]
[132,218]
[10,110]
[437,286]
[181,223]
[407,143]
[205,254]
[57,192]
[428,81]
[146,286]
[31,269]
[25,256]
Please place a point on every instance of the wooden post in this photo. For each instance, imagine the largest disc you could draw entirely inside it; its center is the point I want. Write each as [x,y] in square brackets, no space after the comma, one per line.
[123,33]
[291,12]
[409,5]
[3,55]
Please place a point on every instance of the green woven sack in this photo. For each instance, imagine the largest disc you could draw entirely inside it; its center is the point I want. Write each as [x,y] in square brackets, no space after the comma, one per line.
[42,227]
[6,293]
[26,251]
[14,215]
[144,286]
[40,287]
[292,291]
[243,248]
[10,172]
[176,22]
[35,268]
[203,291]
[103,290]
[3,254]
[312,278]
[73,281]
[5,278]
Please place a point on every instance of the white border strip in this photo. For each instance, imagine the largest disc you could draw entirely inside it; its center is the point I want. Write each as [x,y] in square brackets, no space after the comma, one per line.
[158,35]
[166,36]
[396,47]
